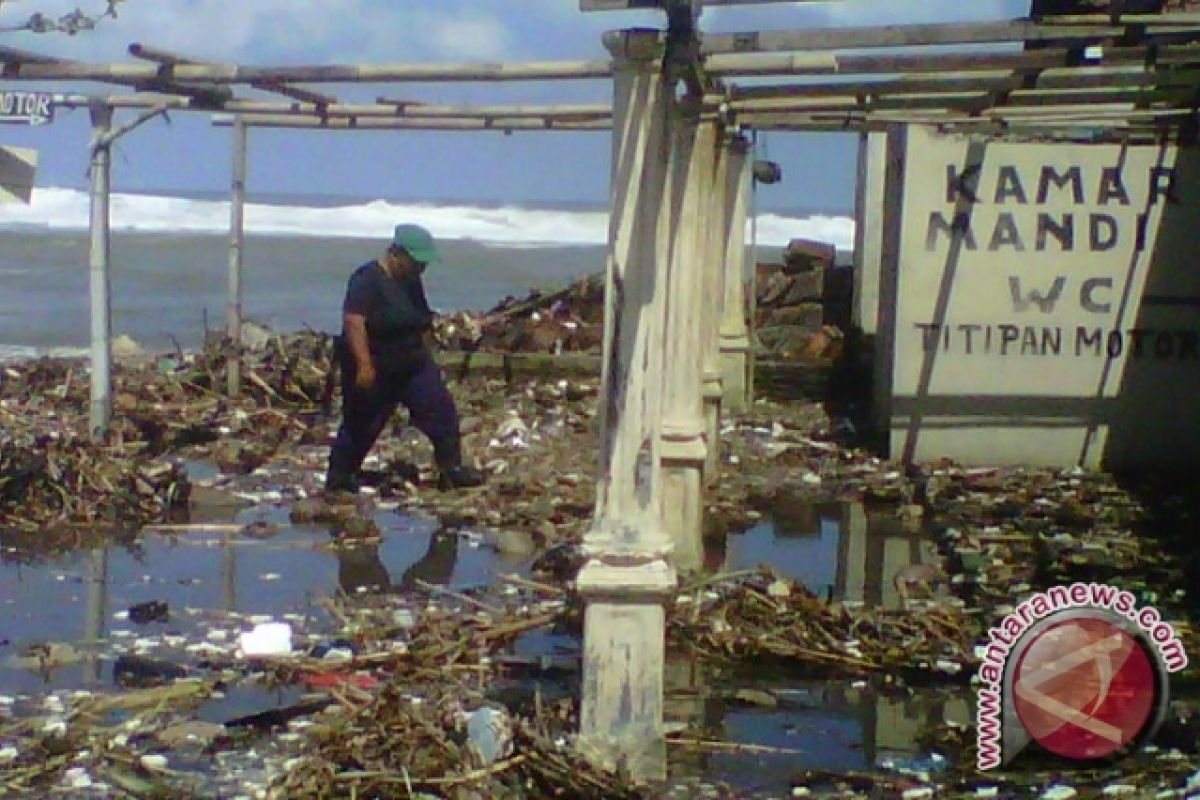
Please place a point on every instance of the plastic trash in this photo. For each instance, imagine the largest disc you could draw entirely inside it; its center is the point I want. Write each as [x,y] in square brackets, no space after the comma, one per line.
[489,733]
[151,611]
[267,639]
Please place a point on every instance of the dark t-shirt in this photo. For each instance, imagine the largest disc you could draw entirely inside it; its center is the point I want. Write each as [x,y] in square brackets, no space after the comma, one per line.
[396,311]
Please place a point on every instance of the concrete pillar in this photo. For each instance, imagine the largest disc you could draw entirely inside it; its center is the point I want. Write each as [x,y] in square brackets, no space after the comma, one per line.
[734,334]
[684,451]
[868,230]
[627,574]
[100,409]
[713,264]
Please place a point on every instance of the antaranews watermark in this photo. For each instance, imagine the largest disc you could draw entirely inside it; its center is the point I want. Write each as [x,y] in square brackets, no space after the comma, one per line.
[1079,669]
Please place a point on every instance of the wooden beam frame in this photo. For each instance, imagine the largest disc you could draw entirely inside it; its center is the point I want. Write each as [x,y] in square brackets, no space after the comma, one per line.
[828,63]
[169,59]
[499,124]
[957,33]
[644,5]
[183,74]
[985,80]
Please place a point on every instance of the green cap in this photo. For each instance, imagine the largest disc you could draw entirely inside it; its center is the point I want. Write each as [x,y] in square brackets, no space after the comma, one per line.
[416,241]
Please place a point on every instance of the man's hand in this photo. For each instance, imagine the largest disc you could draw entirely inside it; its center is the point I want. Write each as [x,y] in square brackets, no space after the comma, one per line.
[355,328]
[364,376]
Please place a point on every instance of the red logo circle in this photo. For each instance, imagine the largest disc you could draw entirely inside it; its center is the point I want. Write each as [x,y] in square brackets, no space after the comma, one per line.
[1083,688]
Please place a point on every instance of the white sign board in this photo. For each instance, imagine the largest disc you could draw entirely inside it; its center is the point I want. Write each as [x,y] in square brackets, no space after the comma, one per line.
[1021,329]
[17,167]
[32,108]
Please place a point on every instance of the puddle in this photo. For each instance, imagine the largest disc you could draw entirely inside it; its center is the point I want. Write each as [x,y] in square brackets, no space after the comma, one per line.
[825,725]
[838,550]
[219,582]
[212,581]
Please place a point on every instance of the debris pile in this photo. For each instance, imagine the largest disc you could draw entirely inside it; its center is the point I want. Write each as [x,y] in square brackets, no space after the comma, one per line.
[803,304]
[570,320]
[399,743]
[760,617]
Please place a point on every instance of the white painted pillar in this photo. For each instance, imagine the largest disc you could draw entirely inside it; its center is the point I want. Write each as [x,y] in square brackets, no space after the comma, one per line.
[237,237]
[734,334]
[684,451]
[627,574]
[713,264]
[868,229]
[100,408]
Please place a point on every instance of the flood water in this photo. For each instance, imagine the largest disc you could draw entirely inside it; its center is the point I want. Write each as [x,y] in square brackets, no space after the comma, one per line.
[217,583]
[836,549]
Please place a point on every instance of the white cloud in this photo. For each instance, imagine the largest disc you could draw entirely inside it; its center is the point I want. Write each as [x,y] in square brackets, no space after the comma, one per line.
[279,31]
[470,39]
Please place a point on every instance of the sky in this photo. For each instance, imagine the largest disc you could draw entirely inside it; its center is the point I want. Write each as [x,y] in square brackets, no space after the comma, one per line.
[187,154]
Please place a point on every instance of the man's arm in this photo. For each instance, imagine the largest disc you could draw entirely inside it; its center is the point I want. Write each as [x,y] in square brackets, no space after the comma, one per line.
[355,328]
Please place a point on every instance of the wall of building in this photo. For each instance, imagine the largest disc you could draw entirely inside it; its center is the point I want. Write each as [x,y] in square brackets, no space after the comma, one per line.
[1033,308]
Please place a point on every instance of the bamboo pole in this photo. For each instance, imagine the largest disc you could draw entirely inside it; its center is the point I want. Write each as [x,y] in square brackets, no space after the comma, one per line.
[824,63]
[976,101]
[237,236]
[1121,76]
[385,109]
[100,407]
[332,73]
[952,33]
[500,124]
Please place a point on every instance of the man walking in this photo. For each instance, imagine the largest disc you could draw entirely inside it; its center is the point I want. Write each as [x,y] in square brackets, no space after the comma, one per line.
[385,362]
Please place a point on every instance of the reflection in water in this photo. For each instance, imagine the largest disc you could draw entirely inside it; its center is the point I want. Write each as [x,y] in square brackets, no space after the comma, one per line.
[360,568]
[836,549]
[94,612]
[820,724]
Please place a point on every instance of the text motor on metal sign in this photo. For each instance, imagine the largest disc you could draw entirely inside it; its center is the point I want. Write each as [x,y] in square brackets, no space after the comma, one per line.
[35,108]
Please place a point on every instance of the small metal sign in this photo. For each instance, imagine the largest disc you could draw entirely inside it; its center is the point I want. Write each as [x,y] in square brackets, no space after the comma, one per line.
[30,108]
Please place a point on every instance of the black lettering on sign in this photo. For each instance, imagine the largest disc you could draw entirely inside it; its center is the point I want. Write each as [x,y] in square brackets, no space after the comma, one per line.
[1111,187]
[975,339]
[1008,335]
[1162,184]
[1085,337]
[969,332]
[962,184]
[1052,341]
[1135,341]
[1115,345]
[1006,234]
[929,335]
[1044,302]
[1072,177]
[1189,344]
[1063,231]
[1164,345]
[958,230]
[1102,232]
[1087,291]
[1009,185]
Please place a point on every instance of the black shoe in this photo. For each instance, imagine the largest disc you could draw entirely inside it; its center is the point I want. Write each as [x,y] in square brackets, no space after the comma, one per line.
[342,482]
[459,477]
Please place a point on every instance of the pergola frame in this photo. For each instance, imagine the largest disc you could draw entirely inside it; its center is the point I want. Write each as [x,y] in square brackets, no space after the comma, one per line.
[676,345]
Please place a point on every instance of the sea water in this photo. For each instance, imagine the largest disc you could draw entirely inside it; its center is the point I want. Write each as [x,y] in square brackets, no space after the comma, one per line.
[170,259]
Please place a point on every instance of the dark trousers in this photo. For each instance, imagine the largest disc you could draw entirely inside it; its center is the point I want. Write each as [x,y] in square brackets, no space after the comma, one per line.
[418,384]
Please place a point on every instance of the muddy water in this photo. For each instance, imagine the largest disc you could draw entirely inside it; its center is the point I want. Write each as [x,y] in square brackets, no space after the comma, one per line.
[223,582]
[838,550]
[210,582]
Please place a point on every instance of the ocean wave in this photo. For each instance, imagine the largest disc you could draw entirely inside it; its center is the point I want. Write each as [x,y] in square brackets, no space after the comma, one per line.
[67,209]
[20,352]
